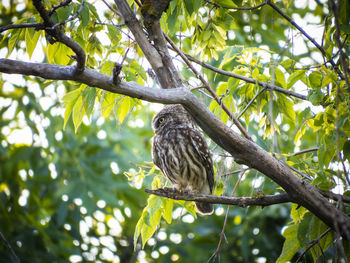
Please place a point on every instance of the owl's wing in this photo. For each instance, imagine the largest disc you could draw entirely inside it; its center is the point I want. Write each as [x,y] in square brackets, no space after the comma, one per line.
[201,147]
[155,156]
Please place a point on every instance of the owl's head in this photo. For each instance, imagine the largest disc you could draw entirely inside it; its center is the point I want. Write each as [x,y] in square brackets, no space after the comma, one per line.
[170,117]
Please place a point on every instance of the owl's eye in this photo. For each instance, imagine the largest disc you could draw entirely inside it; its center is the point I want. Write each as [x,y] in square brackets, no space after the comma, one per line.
[161,120]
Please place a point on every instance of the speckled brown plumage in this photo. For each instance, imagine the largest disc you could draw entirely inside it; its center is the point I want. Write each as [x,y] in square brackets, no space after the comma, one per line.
[181,153]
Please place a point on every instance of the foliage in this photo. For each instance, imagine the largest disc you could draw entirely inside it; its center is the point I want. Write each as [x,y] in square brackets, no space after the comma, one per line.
[71,181]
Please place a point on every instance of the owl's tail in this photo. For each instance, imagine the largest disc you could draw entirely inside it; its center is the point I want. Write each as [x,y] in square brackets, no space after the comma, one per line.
[204,208]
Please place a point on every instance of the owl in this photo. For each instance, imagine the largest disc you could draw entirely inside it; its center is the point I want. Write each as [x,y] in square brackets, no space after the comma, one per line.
[181,153]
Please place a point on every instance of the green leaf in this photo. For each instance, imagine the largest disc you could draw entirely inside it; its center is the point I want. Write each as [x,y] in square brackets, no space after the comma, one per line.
[78,112]
[15,37]
[291,245]
[297,213]
[226,3]
[346,150]
[59,53]
[89,95]
[294,77]
[31,38]
[279,75]
[64,12]
[109,101]
[286,107]
[85,16]
[168,209]
[315,79]
[123,108]
[315,97]
[70,100]
[189,6]
[318,228]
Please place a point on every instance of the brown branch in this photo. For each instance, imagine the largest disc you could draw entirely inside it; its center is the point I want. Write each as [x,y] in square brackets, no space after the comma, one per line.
[36,26]
[336,197]
[58,35]
[305,151]
[152,55]
[111,8]
[62,4]
[72,17]
[265,200]
[313,41]
[208,88]
[246,79]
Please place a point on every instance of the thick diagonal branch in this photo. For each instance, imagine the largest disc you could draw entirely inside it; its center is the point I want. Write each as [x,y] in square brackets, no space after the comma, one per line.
[240,148]
[165,76]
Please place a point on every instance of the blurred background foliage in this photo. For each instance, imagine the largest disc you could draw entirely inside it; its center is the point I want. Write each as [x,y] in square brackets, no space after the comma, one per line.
[65,148]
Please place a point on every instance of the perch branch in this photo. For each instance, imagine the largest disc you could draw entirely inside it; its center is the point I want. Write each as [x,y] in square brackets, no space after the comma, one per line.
[265,200]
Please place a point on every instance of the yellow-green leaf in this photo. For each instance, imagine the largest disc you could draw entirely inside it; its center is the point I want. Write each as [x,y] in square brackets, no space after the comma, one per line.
[123,108]
[70,99]
[291,245]
[109,100]
[31,38]
[78,112]
[168,209]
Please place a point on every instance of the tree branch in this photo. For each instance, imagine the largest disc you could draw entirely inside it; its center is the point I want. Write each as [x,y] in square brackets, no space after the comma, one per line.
[265,200]
[241,149]
[246,79]
[58,35]
[37,26]
[313,41]
[152,55]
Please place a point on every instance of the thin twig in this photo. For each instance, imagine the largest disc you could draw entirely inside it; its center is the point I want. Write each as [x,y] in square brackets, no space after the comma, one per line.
[36,26]
[72,17]
[312,243]
[299,172]
[305,151]
[62,4]
[111,8]
[246,79]
[222,234]
[7,244]
[313,41]
[250,102]
[208,88]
